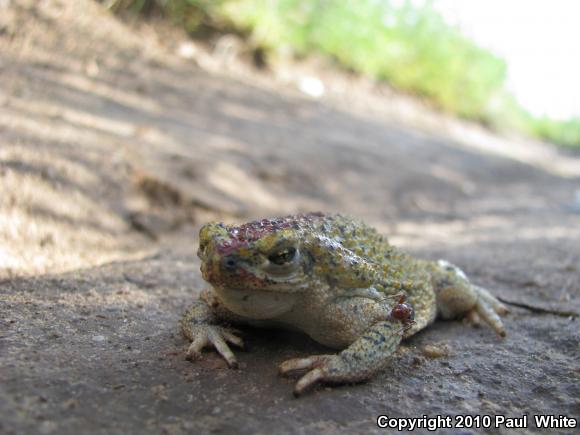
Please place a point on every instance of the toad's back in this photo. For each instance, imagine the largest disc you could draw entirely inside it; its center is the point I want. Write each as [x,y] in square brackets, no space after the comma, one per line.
[394,271]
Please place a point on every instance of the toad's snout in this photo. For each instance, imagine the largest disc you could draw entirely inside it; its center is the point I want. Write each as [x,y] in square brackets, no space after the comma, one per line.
[219,270]
[229,263]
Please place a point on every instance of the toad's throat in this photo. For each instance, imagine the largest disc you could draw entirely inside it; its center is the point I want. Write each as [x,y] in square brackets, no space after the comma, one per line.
[256,304]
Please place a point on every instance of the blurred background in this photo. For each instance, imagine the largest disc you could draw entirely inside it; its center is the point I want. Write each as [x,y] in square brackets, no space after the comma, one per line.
[127,122]
[510,66]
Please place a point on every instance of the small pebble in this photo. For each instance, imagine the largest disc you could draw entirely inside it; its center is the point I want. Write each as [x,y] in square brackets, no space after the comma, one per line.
[435,351]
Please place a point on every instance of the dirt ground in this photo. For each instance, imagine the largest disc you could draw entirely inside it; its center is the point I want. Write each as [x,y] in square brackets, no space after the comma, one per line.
[114,150]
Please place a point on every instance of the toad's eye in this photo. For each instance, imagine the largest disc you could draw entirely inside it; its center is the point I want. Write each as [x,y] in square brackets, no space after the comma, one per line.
[202,248]
[283,256]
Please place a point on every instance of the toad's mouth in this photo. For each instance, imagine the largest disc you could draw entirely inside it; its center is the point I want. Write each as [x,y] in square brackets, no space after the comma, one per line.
[257,304]
[244,278]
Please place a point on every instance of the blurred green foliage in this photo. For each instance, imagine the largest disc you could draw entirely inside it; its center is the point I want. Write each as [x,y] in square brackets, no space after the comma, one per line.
[411,48]
[196,16]
[561,132]
[407,44]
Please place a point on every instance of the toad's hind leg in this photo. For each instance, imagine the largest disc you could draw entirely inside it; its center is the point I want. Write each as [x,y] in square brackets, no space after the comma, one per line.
[457,297]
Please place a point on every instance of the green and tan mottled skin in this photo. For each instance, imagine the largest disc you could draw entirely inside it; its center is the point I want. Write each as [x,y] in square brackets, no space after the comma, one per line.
[332,277]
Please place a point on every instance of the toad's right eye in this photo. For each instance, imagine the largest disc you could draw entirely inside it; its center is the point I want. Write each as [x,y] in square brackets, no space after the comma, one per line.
[202,249]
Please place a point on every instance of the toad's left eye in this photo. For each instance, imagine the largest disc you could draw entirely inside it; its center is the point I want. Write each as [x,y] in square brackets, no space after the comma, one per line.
[284,256]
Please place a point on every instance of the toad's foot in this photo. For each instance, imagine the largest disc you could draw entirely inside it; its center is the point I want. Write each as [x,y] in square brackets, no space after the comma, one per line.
[489,308]
[320,368]
[457,297]
[359,362]
[212,335]
[198,324]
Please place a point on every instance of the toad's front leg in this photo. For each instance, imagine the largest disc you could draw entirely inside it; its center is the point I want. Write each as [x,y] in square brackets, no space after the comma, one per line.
[359,362]
[200,324]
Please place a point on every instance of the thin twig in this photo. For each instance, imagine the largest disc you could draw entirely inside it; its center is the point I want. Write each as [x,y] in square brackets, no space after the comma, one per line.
[540,309]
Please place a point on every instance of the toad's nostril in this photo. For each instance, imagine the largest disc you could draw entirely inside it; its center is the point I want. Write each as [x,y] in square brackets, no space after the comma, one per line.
[229,263]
